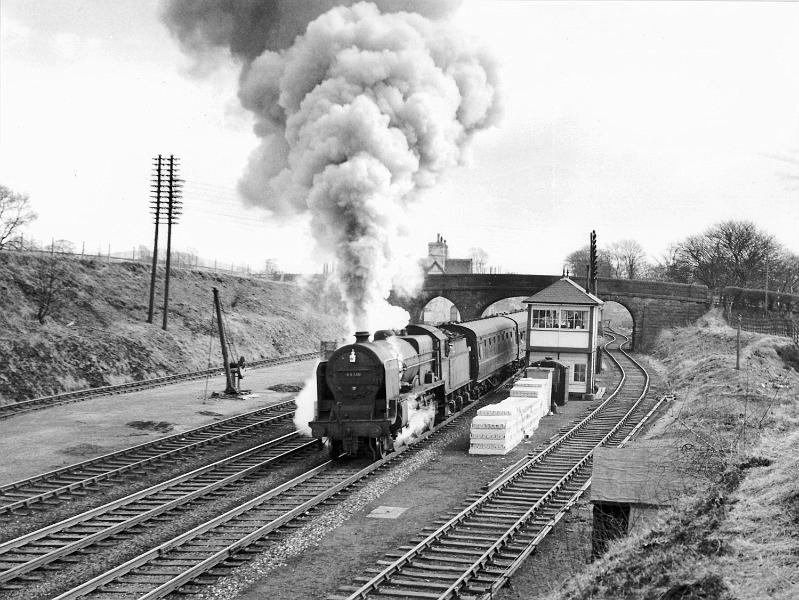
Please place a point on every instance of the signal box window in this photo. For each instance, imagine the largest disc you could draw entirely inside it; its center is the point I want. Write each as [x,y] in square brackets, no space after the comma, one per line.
[573,319]
[545,318]
[579,373]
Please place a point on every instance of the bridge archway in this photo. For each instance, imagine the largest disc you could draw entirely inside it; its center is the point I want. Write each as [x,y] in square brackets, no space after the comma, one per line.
[439,310]
[618,317]
[505,305]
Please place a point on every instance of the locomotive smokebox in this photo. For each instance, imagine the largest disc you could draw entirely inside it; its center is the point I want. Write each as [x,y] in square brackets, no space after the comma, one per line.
[361,337]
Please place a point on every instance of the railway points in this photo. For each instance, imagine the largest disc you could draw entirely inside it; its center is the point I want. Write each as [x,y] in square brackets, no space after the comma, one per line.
[41,491]
[32,552]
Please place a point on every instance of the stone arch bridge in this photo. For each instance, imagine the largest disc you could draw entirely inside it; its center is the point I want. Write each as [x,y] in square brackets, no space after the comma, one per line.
[652,304]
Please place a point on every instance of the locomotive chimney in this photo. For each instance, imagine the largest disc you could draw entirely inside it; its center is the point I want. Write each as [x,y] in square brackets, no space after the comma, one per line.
[361,337]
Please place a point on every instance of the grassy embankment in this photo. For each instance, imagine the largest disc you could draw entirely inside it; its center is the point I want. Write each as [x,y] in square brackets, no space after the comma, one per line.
[736,533]
[96,333]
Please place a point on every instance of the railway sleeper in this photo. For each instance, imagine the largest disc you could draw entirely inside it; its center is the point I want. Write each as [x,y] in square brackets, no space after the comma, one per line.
[483,519]
[412,583]
[466,537]
[501,515]
[469,542]
[425,559]
[488,528]
[413,573]
[396,593]
[447,548]
[519,499]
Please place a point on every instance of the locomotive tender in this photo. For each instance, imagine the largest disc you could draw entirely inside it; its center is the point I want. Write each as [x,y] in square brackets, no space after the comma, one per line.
[368,391]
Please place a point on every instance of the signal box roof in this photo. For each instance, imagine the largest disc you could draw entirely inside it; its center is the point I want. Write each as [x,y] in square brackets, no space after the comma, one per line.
[564,291]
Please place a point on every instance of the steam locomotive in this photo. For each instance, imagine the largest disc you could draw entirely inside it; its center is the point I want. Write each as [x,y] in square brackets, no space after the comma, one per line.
[371,391]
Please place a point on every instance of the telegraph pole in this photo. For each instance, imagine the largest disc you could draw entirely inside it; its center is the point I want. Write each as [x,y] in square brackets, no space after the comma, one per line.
[173,210]
[155,205]
[593,263]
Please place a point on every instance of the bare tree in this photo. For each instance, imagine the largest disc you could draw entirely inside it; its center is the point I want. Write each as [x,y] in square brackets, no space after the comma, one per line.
[144,253]
[784,275]
[628,258]
[578,260]
[15,213]
[670,267]
[729,253]
[50,279]
[479,259]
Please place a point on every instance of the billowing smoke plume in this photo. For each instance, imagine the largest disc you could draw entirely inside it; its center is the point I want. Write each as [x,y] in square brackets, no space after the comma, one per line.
[362,109]
[248,27]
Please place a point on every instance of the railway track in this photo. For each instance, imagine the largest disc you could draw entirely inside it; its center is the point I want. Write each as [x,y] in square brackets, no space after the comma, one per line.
[45,490]
[474,552]
[25,406]
[468,555]
[31,554]
[201,555]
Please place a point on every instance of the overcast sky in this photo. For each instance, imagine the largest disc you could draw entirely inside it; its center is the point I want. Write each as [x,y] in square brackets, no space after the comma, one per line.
[649,121]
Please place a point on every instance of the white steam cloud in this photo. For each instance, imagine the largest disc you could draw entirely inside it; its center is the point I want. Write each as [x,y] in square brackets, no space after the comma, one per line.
[362,110]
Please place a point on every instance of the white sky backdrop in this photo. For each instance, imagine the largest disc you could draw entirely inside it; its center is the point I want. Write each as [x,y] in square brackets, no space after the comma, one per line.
[649,121]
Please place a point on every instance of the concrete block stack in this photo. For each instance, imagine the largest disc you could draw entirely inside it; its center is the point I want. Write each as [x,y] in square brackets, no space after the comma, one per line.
[525,406]
[497,429]
[537,393]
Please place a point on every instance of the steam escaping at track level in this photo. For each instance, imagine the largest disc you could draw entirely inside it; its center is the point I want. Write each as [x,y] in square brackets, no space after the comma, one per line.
[360,112]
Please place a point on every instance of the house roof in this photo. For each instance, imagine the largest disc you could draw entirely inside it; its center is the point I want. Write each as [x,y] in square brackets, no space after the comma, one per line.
[434,267]
[564,291]
[459,266]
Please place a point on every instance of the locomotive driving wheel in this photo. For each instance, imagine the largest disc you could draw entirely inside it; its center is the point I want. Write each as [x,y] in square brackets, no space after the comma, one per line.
[336,448]
[381,447]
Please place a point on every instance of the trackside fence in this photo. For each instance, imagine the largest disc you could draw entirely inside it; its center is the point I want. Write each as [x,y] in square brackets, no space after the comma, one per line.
[780,326]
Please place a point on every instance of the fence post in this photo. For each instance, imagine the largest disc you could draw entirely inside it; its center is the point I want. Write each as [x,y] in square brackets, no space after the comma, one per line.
[738,347]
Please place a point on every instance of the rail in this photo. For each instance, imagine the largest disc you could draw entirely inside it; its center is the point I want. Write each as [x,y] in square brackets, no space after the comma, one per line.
[57,485]
[34,550]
